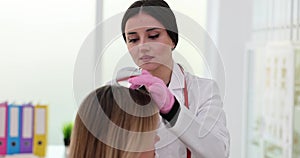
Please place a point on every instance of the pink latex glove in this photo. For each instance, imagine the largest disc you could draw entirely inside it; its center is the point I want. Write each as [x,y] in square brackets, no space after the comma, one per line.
[157,88]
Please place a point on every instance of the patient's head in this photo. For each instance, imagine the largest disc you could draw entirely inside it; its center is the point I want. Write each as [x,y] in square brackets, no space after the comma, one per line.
[115,122]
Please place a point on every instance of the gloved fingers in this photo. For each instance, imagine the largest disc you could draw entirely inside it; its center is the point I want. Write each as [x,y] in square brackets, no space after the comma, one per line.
[145,72]
[141,80]
[134,86]
[159,94]
[157,88]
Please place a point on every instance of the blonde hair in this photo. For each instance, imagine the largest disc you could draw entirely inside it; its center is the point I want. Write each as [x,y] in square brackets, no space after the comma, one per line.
[129,113]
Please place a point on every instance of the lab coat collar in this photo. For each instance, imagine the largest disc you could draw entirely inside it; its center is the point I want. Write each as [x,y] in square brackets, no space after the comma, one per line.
[177,78]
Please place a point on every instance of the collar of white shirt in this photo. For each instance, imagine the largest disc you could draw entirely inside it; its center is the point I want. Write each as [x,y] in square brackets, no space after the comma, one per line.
[177,78]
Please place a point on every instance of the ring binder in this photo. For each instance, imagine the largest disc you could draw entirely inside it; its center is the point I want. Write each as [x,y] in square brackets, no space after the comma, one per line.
[13,136]
[40,130]
[3,128]
[26,129]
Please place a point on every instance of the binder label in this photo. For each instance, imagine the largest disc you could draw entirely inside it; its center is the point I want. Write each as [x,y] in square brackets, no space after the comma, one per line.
[27,122]
[2,122]
[40,122]
[14,124]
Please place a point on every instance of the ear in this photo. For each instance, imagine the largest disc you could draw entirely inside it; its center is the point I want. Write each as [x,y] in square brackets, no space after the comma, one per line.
[173,46]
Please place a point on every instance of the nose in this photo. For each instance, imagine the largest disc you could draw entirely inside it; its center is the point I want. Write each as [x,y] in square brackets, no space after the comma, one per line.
[144,47]
[143,40]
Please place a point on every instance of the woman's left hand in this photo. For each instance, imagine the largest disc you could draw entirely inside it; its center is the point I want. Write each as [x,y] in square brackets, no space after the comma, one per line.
[157,88]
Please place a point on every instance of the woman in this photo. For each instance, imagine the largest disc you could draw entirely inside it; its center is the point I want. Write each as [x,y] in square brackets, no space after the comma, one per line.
[190,107]
[109,125]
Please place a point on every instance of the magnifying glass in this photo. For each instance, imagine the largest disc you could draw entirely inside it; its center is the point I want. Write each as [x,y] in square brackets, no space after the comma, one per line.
[125,73]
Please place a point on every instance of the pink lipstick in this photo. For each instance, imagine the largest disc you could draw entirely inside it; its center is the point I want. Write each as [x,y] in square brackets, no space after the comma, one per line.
[146,58]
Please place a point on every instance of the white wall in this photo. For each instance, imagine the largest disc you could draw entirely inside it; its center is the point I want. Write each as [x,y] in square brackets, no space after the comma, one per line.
[39,44]
[233,31]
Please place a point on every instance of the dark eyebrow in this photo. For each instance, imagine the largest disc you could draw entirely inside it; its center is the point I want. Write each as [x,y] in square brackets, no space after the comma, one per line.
[148,30]
[151,29]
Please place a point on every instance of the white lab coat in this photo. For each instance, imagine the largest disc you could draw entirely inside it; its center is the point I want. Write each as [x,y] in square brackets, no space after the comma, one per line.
[202,127]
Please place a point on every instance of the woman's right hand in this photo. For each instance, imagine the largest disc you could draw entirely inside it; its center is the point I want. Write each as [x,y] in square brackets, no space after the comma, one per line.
[157,89]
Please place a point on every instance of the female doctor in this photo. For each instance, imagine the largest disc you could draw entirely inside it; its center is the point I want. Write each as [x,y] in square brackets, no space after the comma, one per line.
[190,107]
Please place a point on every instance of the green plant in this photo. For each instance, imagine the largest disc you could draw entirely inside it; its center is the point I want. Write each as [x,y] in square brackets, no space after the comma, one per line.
[67,131]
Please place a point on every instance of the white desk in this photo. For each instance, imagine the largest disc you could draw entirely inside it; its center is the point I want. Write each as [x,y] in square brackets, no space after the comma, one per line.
[53,151]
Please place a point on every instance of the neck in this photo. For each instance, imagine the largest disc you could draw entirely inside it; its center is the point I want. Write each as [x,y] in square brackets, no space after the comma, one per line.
[164,72]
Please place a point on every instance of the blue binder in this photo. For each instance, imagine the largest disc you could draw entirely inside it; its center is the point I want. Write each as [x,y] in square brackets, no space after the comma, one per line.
[14,129]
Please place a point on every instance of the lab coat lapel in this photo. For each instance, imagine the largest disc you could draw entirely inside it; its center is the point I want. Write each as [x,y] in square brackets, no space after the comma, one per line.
[177,83]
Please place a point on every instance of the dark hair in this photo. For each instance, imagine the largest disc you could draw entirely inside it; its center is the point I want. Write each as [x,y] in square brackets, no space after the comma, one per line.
[158,9]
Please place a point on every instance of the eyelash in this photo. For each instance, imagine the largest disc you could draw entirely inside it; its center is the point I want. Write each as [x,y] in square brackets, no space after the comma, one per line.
[154,36]
[132,40]
[135,39]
